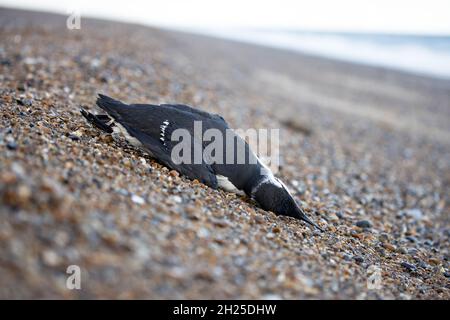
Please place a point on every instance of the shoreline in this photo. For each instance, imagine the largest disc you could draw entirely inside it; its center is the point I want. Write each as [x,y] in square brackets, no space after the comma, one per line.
[278,40]
[213,36]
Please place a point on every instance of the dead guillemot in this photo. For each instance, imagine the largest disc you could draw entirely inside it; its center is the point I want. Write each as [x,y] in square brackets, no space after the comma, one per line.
[150,127]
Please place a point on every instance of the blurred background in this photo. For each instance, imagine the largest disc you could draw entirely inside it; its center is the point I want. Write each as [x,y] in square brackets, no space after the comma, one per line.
[404,34]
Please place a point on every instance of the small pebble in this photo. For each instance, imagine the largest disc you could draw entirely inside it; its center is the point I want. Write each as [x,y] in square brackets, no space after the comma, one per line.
[276,230]
[414,213]
[389,246]
[74,137]
[50,258]
[173,173]
[137,199]
[25,102]
[434,261]
[347,257]
[411,239]
[11,145]
[422,265]
[176,199]
[408,266]
[364,224]
[402,250]
[270,235]
[384,237]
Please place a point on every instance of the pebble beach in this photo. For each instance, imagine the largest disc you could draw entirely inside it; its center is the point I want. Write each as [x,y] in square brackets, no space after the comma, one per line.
[365,151]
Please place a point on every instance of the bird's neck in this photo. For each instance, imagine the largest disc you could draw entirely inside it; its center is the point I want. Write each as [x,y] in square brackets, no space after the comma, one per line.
[261,176]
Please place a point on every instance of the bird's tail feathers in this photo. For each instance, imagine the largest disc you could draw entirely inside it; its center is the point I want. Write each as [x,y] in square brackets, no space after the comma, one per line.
[100,121]
[109,105]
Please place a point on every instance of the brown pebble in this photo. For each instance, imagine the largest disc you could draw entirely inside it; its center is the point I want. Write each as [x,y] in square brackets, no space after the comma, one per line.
[23,193]
[106,138]
[357,235]
[276,230]
[434,261]
[389,246]
[192,212]
[173,173]
[220,223]
[8,178]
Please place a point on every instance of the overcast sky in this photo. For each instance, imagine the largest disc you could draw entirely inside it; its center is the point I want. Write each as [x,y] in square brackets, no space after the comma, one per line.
[399,16]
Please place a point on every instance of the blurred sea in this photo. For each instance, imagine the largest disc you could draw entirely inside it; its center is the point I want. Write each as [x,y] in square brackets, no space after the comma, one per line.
[421,54]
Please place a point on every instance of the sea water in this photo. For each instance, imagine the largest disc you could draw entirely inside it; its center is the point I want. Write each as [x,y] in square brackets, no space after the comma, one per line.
[420,54]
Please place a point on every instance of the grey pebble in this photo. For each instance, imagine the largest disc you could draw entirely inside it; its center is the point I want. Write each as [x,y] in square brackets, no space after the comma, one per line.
[11,145]
[364,224]
[408,266]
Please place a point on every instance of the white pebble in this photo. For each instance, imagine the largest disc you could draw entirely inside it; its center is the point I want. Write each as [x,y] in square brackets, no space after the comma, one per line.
[176,199]
[137,199]
[414,213]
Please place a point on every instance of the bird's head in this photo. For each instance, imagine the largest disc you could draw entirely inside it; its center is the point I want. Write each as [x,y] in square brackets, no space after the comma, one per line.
[273,195]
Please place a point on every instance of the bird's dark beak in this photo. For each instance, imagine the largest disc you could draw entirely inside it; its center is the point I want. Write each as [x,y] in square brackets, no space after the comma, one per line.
[304,217]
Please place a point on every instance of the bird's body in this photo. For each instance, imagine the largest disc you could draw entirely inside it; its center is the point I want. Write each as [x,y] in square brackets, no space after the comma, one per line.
[151,128]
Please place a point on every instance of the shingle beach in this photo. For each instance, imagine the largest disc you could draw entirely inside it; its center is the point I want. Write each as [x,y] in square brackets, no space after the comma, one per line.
[365,150]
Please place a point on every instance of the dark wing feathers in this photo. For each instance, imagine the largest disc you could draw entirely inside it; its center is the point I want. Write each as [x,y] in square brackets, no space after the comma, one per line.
[188,109]
[144,125]
[100,121]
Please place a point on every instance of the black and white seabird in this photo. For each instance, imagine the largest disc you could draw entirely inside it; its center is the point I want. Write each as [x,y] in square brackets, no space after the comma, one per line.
[150,128]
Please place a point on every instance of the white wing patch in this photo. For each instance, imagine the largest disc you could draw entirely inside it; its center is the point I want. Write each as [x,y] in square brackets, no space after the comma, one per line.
[227,185]
[162,133]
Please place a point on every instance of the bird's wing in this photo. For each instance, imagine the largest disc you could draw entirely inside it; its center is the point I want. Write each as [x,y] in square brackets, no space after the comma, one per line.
[146,123]
[210,120]
[163,152]
[186,108]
